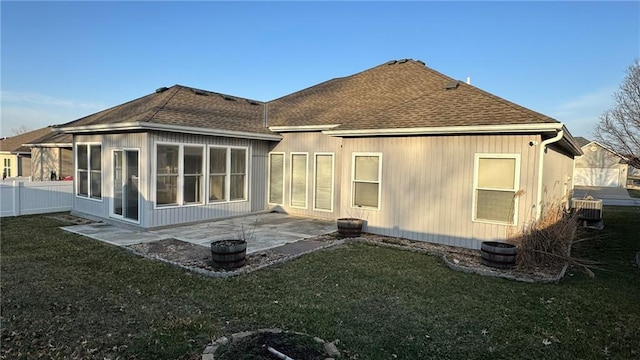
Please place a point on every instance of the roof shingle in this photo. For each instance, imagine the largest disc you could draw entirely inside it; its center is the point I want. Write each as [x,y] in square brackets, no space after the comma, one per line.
[183,106]
[14,143]
[402,94]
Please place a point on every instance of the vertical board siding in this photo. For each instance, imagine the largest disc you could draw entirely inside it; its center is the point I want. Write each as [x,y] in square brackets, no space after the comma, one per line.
[311,143]
[145,144]
[427,186]
[257,178]
[557,178]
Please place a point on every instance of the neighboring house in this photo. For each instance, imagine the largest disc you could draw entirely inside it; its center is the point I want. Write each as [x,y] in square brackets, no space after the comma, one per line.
[52,157]
[15,157]
[415,153]
[600,166]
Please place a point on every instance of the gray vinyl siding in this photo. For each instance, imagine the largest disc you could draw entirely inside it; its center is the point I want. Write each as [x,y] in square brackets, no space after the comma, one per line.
[427,186]
[109,142]
[557,178]
[426,183]
[257,177]
[150,216]
[310,143]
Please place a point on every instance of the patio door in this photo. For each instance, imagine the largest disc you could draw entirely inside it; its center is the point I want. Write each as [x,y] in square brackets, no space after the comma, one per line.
[125,201]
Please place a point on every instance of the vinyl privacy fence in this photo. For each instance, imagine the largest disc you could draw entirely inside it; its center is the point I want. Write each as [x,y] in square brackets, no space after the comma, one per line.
[35,197]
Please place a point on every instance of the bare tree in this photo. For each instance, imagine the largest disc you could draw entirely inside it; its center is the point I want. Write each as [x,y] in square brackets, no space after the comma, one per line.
[619,127]
[20,130]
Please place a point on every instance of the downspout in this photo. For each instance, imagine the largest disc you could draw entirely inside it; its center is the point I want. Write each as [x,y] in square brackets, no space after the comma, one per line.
[543,147]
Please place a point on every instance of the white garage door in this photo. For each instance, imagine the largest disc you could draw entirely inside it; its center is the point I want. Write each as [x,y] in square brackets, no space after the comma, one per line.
[597,177]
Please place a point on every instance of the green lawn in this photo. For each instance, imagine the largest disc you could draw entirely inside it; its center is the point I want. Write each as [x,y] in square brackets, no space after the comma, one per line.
[67,296]
[634,193]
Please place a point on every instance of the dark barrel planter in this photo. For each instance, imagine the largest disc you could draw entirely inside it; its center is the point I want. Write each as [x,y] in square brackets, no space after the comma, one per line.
[498,254]
[350,227]
[229,254]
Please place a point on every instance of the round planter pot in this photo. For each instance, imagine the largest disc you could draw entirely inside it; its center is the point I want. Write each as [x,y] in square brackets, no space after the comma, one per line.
[350,227]
[229,254]
[498,254]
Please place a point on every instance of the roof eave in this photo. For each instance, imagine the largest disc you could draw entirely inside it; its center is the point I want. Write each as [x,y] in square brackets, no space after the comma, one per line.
[447,130]
[303,128]
[145,126]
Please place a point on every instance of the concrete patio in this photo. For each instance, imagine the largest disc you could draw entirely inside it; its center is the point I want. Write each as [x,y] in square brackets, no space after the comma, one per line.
[262,231]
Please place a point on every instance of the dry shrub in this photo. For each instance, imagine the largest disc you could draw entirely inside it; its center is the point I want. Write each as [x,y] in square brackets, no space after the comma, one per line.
[547,242]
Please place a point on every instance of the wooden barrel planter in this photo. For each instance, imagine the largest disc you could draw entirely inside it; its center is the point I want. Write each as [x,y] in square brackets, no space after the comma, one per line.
[229,254]
[350,227]
[498,254]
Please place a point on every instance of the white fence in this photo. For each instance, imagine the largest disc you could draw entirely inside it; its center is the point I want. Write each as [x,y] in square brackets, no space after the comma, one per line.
[35,197]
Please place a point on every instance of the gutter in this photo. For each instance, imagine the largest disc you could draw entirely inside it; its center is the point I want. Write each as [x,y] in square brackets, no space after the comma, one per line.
[543,147]
[475,129]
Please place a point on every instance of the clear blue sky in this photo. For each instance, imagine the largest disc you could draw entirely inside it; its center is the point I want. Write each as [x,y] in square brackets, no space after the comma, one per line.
[65,60]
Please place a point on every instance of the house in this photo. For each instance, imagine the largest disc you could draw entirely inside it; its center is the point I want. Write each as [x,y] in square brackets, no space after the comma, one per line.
[16,158]
[601,166]
[51,157]
[415,153]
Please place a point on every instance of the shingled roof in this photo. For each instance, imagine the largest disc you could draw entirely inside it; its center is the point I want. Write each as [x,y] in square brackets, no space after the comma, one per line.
[180,106]
[14,143]
[402,94]
[582,141]
[397,94]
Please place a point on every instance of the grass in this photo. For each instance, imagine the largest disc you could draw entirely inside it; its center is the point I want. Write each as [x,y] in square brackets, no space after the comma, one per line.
[65,296]
[634,193]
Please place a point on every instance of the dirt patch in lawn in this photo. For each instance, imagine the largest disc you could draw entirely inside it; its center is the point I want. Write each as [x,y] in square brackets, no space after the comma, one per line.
[256,346]
[70,219]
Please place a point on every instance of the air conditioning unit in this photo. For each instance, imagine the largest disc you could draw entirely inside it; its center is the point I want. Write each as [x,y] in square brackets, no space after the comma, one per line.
[588,210]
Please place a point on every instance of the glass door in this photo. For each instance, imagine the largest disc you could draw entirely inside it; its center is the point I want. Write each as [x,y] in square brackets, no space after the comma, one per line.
[125,184]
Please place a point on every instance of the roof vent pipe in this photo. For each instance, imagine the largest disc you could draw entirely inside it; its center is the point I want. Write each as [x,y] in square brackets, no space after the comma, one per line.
[468,80]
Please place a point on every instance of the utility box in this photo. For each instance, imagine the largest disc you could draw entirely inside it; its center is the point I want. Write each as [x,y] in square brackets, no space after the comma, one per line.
[589,211]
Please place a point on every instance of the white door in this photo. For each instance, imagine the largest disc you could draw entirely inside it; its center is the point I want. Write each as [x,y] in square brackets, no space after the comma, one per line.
[125,201]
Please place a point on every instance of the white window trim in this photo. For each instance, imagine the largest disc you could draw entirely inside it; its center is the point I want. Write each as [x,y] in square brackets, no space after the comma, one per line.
[284,158]
[353,180]
[181,174]
[306,184]
[111,192]
[75,171]
[227,178]
[180,182]
[516,184]
[315,176]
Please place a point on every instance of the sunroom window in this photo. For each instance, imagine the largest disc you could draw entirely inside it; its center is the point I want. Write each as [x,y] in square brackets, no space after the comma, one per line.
[227,174]
[167,167]
[89,170]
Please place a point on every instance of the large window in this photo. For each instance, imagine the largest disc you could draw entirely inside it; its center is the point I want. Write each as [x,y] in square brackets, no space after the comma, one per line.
[276,178]
[323,182]
[167,166]
[179,174]
[365,180]
[89,170]
[299,180]
[238,174]
[217,174]
[495,186]
[227,174]
[193,174]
